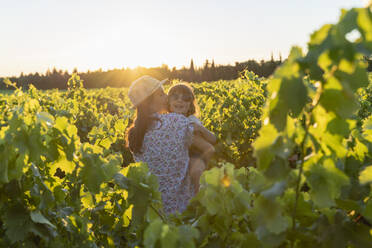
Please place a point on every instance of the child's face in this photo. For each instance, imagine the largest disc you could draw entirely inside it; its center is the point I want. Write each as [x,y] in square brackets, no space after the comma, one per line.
[179,103]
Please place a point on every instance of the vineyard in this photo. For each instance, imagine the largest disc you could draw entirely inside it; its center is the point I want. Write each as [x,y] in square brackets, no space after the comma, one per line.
[293,163]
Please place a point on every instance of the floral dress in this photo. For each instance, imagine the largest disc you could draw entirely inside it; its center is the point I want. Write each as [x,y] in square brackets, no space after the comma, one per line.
[165,149]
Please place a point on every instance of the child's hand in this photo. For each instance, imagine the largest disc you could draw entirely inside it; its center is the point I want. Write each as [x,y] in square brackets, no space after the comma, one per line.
[205,133]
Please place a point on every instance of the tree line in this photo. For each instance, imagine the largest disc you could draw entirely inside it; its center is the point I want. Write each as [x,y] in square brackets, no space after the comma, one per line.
[123,77]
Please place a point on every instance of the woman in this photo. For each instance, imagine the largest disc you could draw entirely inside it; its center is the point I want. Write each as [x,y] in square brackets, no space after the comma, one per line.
[162,141]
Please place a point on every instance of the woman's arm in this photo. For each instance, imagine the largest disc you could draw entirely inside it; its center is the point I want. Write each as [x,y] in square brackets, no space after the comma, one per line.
[208,135]
[206,148]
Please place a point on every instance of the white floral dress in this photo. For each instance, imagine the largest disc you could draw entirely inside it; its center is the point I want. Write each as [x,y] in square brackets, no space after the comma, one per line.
[165,149]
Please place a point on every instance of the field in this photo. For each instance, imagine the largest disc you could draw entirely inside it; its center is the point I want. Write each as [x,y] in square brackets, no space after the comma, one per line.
[6,92]
[293,166]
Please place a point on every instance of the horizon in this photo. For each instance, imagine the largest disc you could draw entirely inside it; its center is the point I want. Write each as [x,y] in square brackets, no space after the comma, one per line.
[91,35]
[136,68]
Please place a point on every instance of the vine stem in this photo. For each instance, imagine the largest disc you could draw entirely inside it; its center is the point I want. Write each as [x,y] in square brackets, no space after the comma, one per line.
[299,181]
[155,210]
[158,213]
[303,152]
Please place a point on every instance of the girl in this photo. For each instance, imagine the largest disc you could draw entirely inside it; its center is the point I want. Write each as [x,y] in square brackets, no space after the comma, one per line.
[181,100]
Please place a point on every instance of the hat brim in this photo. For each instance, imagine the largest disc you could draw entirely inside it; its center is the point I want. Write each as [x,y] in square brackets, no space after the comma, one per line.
[152,91]
[163,81]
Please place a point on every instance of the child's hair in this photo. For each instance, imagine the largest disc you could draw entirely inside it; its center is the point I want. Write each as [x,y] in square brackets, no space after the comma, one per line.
[185,88]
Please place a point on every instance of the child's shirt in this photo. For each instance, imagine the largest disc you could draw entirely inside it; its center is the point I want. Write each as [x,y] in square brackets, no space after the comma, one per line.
[193,119]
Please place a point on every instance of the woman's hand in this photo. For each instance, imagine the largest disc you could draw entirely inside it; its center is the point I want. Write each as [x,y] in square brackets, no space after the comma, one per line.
[197,127]
[206,149]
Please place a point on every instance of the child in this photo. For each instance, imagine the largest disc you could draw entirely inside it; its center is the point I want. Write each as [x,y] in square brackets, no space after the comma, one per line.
[181,100]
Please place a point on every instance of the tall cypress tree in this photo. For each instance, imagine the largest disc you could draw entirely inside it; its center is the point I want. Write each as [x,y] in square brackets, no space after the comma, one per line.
[213,75]
[192,76]
[192,69]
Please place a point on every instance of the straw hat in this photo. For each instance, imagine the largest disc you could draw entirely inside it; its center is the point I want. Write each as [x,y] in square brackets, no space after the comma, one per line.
[142,88]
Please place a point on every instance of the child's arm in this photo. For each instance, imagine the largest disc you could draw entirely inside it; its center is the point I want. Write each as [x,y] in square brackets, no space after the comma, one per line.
[207,135]
[206,148]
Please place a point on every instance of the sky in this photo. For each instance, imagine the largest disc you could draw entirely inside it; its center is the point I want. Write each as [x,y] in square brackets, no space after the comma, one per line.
[92,34]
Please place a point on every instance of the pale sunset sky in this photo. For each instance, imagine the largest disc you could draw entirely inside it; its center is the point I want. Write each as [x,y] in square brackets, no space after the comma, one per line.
[91,34]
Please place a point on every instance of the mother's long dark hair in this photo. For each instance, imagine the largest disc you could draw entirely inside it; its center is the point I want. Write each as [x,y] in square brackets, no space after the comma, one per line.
[137,131]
